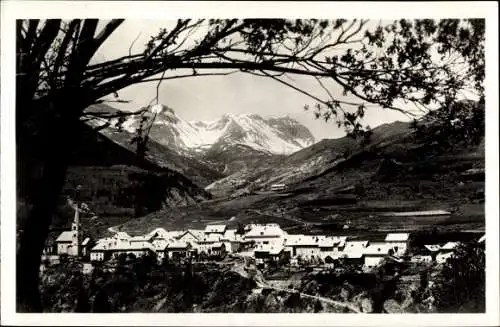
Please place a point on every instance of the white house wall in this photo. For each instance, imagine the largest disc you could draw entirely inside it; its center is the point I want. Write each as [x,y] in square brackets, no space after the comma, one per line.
[306,252]
[64,248]
[96,256]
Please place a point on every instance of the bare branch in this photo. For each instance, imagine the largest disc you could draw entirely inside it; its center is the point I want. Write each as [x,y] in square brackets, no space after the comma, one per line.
[61,54]
[132,44]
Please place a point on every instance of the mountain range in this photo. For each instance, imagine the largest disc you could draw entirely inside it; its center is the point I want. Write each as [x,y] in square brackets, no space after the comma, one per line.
[207,151]
[276,135]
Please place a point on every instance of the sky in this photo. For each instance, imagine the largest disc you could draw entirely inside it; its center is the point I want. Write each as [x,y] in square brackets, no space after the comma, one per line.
[208,98]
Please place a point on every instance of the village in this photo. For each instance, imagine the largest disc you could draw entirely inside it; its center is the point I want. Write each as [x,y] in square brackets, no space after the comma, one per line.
[264,243]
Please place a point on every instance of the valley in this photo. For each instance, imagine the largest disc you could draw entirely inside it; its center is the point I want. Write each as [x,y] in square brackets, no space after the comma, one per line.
[338,185]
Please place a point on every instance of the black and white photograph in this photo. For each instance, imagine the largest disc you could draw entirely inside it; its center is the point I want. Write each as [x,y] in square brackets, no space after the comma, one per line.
[201,162]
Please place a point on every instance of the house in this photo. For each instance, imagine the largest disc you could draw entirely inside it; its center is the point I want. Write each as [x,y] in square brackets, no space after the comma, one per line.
[353,252]
[215,229]
[100,252]
[122,236]
[375,252]
[304,246]
[331,246]
[209,244]
[176,250]
[160,239]
[231,240]
[50,247]
[65,243]
[268,251]
[446,251]
[157,232]
[217,249]
[138,249]
[265,234]
[117,240]
[191,236]
[399,242]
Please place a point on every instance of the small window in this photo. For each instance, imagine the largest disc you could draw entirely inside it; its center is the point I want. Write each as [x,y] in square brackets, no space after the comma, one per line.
[266,242]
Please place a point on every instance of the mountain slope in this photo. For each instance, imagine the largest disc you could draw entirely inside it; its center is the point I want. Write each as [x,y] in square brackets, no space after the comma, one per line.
[274,135]
[332,165]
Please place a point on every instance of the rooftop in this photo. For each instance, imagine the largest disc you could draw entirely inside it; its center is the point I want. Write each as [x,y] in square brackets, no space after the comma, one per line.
[215,228]
[377,249]
[101,246]
[355,249]
[397,237]
[122,235]
[303,240]
[450,246]
[66,236]
[178,245]
[330,241]
[123,246]
[271,230]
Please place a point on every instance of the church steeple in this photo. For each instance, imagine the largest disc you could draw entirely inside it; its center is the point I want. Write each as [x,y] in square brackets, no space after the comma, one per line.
[76,239]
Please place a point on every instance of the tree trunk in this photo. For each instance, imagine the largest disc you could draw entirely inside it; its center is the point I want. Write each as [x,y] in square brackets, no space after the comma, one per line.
[34,233]
[42,164]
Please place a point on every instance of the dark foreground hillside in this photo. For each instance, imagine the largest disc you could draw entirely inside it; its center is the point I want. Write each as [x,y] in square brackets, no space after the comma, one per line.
[235,285]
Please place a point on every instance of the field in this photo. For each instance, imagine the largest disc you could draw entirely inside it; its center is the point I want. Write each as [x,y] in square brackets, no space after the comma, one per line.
[294,214]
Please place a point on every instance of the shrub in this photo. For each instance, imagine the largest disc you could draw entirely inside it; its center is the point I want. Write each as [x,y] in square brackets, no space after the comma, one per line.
[461,284]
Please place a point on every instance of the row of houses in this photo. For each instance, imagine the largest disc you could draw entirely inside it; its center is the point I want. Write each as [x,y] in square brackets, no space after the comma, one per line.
[261,241]
[214,240]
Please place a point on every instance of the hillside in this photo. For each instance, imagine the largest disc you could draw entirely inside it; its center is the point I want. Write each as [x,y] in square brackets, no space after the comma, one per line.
[308,162]
[331,161]
[117,185]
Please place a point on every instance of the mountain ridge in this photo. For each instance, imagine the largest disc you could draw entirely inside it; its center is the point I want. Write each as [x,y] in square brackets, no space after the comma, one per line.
[275,135]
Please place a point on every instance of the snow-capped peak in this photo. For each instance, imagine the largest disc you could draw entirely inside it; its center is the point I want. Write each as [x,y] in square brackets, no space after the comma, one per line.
[276,135]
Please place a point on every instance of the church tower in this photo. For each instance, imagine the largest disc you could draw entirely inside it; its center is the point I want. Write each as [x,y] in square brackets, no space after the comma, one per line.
[76,238]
